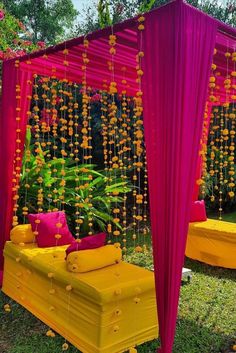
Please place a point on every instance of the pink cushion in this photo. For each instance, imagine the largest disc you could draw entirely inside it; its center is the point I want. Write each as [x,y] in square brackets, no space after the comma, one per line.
[198,212]
[52,229]
[90,242]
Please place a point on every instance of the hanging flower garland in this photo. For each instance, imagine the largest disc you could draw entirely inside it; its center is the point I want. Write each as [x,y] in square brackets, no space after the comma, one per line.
[17,159]
[138,144]
[232,117]
[113,130]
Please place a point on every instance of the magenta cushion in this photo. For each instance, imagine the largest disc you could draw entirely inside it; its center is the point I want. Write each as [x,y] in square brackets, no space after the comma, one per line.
[90,242]
[198,212]
[52,229]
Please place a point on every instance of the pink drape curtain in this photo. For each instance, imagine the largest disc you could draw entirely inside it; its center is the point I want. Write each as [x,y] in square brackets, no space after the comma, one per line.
[8,142]
[178,45]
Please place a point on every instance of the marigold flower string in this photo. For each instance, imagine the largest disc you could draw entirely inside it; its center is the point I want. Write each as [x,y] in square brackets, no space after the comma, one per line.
[17,158]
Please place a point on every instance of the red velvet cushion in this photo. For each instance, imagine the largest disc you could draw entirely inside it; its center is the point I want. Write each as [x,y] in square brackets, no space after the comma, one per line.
[90,242]
[52,229]
[198,212]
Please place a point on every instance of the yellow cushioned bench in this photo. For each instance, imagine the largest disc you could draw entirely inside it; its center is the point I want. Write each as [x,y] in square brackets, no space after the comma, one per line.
[212,242]
[107,311]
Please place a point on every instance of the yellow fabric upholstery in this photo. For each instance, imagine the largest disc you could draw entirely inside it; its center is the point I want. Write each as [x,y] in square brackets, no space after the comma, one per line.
[109,310]
[22,234]
[212,242]
[93,259]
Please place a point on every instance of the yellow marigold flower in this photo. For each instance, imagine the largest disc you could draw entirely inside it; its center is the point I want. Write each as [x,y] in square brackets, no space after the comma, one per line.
[141,27]
[112,37]
[118,312]
[112,50]
[116,328]
[133,350]
[115,193]
[200,182]
[141,19]
[7,308]
[65,346]
[139,218]
[137,300]
[50,274]
[50,333]
[86,43]
[68,287]
[138,249]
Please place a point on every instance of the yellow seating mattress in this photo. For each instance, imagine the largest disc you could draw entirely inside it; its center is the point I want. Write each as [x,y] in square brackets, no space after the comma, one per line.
[212,242]
[102,311]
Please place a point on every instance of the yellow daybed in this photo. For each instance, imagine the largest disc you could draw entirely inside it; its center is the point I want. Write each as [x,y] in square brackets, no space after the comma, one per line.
[103,311]
[212,242]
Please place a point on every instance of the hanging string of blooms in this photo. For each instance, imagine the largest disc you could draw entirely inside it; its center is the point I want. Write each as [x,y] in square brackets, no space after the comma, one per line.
[124,130]
[25,208]
[203,152]
[51,120]
[138,145]
[45,133]
[78,221]
[86,134]
[113,131]
[145,202]
[212,98]
[232,132]
[17,159]
[222,134]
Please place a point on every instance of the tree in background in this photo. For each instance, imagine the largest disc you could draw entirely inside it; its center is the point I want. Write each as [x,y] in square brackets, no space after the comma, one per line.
[113,11]
[12,32]
[47,20]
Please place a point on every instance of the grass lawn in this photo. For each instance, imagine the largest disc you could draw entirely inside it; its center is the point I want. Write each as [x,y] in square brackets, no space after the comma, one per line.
[227,217]
[206,321]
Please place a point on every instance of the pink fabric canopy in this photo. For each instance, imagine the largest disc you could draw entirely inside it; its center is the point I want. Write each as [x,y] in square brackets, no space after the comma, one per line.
[178,42]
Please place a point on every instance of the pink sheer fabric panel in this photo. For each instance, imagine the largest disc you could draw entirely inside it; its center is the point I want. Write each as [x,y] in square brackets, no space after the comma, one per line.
[181,42]
[8,142]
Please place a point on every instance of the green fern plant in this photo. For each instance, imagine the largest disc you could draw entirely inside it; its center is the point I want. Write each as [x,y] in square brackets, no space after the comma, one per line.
[105,196]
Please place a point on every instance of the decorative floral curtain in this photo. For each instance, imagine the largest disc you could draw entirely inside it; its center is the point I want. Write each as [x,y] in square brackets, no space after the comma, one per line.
[8,141]
[181,42]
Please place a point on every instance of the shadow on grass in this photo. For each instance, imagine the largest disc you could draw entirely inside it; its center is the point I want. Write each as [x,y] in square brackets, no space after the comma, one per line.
[213,271]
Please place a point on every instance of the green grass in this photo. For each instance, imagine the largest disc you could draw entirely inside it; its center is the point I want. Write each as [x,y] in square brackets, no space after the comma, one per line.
[227,217]
[206,320]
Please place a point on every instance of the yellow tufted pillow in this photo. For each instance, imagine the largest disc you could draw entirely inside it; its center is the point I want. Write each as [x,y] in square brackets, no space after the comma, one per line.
[93,259]
[22,234]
